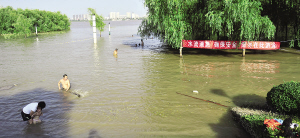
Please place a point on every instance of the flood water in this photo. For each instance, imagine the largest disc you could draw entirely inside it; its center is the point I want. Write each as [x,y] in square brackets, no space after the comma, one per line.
[136,94]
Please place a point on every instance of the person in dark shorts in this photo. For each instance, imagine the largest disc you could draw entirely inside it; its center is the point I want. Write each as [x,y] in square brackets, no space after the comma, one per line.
[31,110]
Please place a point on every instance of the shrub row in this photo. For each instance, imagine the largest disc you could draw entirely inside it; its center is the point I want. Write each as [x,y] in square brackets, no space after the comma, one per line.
[23,22]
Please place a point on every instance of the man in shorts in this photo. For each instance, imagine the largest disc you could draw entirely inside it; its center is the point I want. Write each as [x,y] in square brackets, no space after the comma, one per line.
[64,82]
[31,110]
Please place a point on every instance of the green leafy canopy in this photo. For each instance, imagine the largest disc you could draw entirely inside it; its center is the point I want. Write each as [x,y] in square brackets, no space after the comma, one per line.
[22,22]
[239,20]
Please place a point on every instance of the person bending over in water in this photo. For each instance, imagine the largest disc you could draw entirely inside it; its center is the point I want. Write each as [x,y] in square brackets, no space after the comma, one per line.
[116,51]
[32,110]
[64,82]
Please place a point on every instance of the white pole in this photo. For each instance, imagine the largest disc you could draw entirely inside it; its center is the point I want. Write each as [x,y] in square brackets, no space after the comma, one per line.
[35,30]
[94,28]
[109,28]
[180,50]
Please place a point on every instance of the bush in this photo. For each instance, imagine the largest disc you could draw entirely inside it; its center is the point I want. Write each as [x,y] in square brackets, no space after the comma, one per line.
[285,98]
[22,22]
[256,122]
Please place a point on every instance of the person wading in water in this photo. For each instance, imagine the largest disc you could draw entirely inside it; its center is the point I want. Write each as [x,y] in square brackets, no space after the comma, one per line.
[64,82]
[116,51]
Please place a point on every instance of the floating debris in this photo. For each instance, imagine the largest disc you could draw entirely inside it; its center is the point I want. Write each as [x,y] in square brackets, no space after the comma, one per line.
[195,91]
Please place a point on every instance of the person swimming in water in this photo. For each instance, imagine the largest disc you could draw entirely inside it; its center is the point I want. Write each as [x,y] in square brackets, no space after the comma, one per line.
[64,82]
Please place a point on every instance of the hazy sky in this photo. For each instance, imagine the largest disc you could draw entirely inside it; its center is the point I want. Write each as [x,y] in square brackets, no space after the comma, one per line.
[73,7]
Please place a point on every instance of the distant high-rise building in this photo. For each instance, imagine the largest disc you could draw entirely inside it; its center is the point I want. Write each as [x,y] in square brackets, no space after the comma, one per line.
[128,14]
[117,15]
[133,16]
[122,16]
[1,6]
[112,15]
[89,17]
[82,17]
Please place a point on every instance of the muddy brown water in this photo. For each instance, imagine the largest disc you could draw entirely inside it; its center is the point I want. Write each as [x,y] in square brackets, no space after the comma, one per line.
[134,94]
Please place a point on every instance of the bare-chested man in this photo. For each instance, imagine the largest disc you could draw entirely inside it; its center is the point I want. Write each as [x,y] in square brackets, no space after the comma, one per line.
[64,82]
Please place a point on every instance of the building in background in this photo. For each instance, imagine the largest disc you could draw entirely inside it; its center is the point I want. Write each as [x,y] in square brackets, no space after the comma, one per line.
[122,16]
[82,17]
[114,15]
[111,16]
[117,16]
[134,16]
[106,18]
[128,15]
[1,6]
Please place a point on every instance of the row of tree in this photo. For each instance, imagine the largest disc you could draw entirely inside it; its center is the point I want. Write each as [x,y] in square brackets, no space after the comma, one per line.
[23,22]
[250,20]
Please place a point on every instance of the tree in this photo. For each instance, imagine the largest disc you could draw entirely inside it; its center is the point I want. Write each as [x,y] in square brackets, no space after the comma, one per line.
[22,26]
[285,15]
[206,19]
[242,17]
[22,22]
[99,20]
[167,20]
